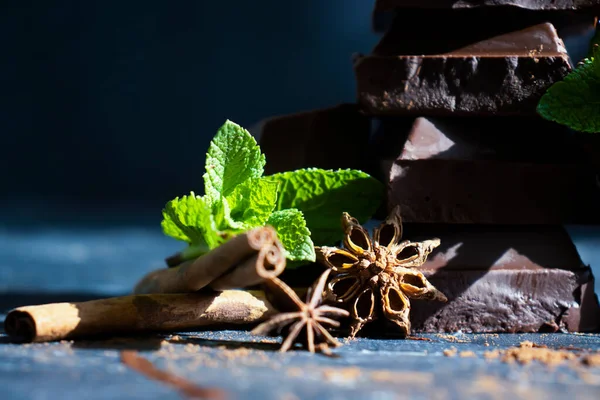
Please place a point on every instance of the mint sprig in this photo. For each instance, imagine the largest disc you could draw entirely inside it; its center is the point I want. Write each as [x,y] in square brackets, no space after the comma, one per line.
[298,204]
[575,101]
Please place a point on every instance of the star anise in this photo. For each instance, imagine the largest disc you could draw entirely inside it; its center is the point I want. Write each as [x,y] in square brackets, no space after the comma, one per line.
[302,322]
[378,276]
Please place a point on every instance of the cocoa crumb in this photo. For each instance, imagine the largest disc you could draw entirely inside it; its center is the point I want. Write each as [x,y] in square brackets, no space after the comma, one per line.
[335,374]
[419,338]
[591,360]
[450,352]
[396,377]
[492,354]
[528,351]
[452,339]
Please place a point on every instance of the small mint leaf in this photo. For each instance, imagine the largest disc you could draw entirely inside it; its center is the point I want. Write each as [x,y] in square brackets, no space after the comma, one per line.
[294,235]
[225,223]
[233,157]
[323,195]
[575,101]
[189,218]
[253,201]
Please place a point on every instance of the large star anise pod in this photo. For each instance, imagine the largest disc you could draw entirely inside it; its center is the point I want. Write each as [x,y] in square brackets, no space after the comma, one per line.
[377,276]
[301,322]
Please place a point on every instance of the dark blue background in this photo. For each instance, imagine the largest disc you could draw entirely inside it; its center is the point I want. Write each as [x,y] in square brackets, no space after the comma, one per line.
[113,103]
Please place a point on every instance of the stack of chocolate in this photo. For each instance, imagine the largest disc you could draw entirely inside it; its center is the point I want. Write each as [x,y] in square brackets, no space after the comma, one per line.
[446,115]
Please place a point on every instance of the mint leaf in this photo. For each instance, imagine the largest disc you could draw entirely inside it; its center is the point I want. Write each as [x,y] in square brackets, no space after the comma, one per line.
[233,157]
[224,222]
[293,234]
[323,195]
[189,218]
[253,201]
[575,101]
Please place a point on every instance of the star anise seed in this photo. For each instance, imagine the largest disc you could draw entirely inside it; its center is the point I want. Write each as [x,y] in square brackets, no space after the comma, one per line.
[368,271]
[303,321]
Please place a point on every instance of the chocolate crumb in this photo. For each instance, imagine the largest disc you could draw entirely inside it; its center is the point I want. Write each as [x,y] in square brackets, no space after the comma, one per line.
[527,352]
[336,374]
[452,339]
[421,378]
[592,360]
[419,338]
[450,352]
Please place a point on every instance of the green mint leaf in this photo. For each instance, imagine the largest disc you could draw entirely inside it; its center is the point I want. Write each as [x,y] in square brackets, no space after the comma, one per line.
[233,157]
[323,195]
[224,222]
[294,235]
[253,201]
[189,218]
[575,101]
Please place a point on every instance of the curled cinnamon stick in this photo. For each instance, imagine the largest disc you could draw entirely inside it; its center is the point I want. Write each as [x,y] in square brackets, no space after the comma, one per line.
[246,259]
[267,264]
[135,314]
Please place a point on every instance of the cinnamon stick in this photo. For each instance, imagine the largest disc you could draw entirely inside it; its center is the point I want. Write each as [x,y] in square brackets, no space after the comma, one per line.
[245,260]
[135,314]
[267,264]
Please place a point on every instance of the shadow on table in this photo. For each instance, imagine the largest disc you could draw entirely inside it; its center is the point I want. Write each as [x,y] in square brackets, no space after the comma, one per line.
[228,344]
[149,342]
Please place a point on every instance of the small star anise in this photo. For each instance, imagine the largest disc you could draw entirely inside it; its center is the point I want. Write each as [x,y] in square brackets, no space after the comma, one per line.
[379,270]
[303,322]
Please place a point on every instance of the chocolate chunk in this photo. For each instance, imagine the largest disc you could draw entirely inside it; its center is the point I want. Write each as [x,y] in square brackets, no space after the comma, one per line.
[505,279]
[507,247]
[518,138]
[330,138]
[409,34]
[584,5]
[507,301]
[482,82]
[455,170]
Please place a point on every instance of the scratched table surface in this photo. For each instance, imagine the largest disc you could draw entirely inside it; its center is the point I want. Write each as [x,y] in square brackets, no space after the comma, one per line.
[42,263]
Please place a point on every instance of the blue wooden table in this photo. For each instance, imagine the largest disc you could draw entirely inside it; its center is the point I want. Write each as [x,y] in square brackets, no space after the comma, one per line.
[48,263]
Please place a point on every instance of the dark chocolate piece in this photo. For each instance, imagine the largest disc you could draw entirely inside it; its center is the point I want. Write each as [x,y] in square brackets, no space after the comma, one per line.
[458,84]
[434,32]
[584,5]
[330,138]
[508,301]
[505,279]
[444,177]
[407,34]
[519,138]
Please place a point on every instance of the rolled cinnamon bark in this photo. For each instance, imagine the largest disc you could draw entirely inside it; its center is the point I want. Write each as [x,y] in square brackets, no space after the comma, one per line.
[239,251]
[267,264]
[135,314]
